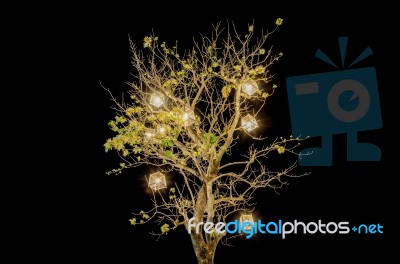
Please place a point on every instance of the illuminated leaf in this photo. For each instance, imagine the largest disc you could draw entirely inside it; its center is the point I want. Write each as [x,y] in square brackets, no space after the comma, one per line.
[170,82]
[164,228]
[125,152]
[108,145]
[145,216]
[210,138]
[237,68]
[226,90]
[132,221]
[169,154]
[147,42]
[166,142]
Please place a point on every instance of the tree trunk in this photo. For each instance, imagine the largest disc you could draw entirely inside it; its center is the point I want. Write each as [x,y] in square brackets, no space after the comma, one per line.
[204,253]
[206,257]
[204,248]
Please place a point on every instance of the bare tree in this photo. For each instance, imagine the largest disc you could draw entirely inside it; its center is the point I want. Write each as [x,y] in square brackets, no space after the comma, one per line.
[186,114]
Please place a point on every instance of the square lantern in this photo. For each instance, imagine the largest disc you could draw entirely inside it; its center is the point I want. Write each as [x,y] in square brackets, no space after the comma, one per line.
[157,99]
[162,130]
[157,181]
[149,134]
[247,218]
[249,88]
[188,117]
[249,123]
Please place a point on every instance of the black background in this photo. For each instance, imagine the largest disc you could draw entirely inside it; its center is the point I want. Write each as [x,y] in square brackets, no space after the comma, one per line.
[347,191]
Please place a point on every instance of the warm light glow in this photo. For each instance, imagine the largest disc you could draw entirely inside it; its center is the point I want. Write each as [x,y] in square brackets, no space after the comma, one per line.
[149,134]
[249,89]
[157,100]
[185,116]
[247,218]
[162,130]
[249,123]
[188,117]
[157,181]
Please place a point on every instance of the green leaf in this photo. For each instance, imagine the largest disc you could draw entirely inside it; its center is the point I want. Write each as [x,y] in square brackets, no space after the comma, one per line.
[147,42]
[164,228]
[132,221]
[237,68]
[169,154]
[265,95]
[260,69]
[170,82]
[120,119]
[108,145]
[226,90]
[166,142]
[213,138]
[214,64]
[172,189]
[145,216]
[210,137]
[113,125]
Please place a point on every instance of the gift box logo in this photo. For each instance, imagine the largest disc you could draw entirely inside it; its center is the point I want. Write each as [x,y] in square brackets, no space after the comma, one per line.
[343,101]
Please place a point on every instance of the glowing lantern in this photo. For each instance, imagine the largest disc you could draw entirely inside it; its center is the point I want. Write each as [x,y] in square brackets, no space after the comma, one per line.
[149,134]
[246,219]
[249,123]
[188,117]
[249,88]
[162,130]
[157,100]
[157,181]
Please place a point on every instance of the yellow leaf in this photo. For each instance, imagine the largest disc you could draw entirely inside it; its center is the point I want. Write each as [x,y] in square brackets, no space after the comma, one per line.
[226,90]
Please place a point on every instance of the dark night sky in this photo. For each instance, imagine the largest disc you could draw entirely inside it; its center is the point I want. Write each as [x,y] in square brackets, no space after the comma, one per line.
[352,191]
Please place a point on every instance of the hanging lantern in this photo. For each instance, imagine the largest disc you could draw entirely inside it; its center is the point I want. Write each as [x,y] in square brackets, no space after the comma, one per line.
[157,100]
[247,218]
[157,181]
[149,134]
[188,117]
[162,130]
[249,88]
[249,123]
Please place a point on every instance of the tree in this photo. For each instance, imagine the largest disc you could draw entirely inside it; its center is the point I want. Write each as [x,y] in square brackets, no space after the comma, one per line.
[187,112]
